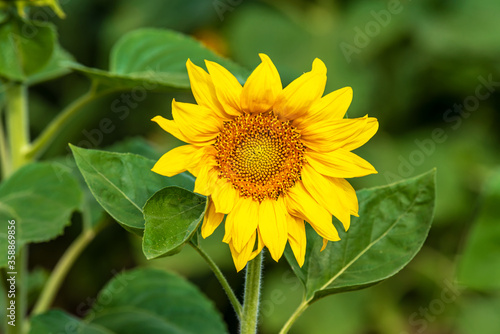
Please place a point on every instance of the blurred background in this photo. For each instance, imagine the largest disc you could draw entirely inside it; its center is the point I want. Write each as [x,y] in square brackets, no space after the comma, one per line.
[427,69]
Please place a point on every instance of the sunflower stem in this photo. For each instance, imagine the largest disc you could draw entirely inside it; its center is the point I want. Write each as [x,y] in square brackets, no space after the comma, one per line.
[222,280]
[249,320]
[296,314]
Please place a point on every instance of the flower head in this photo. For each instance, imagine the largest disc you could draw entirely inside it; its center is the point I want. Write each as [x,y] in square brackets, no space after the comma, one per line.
[268,157]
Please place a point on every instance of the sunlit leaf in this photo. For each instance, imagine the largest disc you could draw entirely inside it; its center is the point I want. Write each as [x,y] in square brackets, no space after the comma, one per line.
[153,59]
[123,182]
[172,217]
[393,224]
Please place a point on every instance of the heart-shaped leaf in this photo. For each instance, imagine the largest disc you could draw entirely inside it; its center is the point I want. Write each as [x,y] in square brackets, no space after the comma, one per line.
[123,182]
[154,59]
[393,224]
[26,47]
[40,198]
[172,217]
[151,301]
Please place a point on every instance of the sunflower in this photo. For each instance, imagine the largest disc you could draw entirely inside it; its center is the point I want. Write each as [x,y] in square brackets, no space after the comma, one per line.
[268,157]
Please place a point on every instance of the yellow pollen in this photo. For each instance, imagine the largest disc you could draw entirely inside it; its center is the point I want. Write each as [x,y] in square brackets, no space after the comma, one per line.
[260,155]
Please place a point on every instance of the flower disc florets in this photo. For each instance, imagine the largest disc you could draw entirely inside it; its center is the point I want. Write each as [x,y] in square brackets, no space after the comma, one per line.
[260,155]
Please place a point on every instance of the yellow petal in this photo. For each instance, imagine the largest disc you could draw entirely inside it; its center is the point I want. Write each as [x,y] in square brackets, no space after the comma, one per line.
[227,87]
[363,136]
[224,196]
[197,123]
[301,204]
[296,98]
[297,238]
[329,108]
[207,176]
[260,246]
[347,194]
[261,88]
[331,135]
[246,218]
[211,220]
[325,242]
[178,160]
[171,127]
[339,163]
[203,89]
[327,194]
[240,259]
[273,226]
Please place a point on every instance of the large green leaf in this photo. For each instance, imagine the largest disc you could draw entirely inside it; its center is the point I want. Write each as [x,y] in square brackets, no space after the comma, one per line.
[56,67]
[154,301]
[27,47]
[172,217]
[40,197]
[479,267]
[154,59]
[56,321]
[392,226]
[122,183]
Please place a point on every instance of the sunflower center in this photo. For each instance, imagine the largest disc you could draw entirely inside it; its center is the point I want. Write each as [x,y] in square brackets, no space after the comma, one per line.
[260,155]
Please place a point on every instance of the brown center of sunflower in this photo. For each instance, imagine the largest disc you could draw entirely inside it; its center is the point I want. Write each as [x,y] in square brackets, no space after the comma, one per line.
[260,155]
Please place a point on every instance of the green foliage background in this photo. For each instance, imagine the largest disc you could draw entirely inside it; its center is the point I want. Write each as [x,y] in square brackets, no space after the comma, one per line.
[421,62]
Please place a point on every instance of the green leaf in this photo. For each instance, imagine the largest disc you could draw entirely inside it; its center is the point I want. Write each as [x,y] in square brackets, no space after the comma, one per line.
[172,217]
[154,59]
[55,68]
[123,182]
[55,321]
[40,197]
[27,47]
[393,224]
[479,267]
[155,301]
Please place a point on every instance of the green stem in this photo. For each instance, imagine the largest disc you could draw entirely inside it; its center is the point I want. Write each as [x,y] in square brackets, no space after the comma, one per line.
[58,123]
[61,269]
[222,280]
[17,124]
[4,156]
[302,307]
[248,324]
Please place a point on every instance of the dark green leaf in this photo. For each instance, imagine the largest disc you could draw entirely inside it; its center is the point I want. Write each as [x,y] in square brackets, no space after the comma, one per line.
[55,322]
[154,59]
[27,47]
[154,301]
[122,183]
[172,217]
[479,267]
[57,66]
[393,224]
[40,197]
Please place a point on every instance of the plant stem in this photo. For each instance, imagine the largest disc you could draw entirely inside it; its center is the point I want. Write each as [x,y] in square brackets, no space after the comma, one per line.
[222,280]
[4,155]
[61,269]
[17,124]
[58,123]
[302,307]
[248,324]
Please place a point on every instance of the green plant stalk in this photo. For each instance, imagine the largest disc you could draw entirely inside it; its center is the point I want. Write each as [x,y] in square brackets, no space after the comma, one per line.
[17,124]
[61,270]
[222,280]
[295,315]
[249,319]
[4,155]
[58,123]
